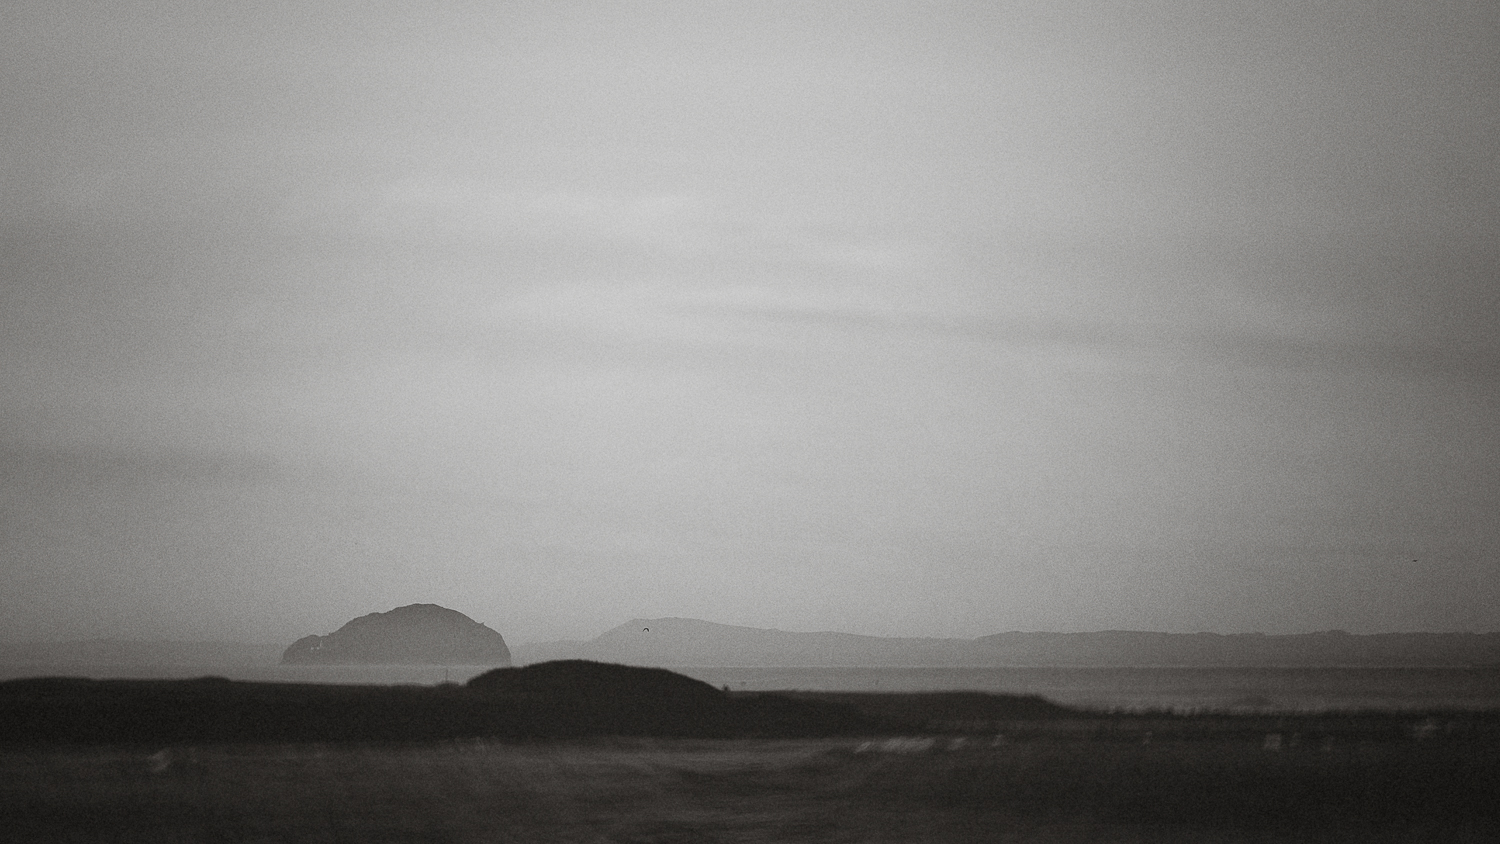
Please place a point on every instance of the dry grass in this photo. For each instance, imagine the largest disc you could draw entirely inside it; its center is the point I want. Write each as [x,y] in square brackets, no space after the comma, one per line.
[753,791]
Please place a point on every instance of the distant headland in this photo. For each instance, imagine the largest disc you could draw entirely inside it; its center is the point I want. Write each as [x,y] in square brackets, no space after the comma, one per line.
[686,642]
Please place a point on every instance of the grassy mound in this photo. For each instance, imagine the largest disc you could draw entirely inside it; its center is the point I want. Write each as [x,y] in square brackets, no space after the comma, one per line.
[578,697]
[581,697]
[581,679]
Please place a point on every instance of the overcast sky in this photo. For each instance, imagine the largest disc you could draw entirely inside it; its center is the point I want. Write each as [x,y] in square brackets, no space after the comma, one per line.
[895,318]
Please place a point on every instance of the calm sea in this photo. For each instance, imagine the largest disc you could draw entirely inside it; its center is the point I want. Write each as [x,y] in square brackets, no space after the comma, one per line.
[1183,689]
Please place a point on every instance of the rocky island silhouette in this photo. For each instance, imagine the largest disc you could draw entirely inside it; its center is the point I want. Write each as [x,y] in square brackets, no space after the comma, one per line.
[416,634]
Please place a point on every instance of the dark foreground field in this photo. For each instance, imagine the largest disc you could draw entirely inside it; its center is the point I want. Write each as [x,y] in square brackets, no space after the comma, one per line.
[590,753]
[1057,789]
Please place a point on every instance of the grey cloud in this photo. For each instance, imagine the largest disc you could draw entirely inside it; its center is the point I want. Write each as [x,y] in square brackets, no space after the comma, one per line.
[1458,359]
[767,273]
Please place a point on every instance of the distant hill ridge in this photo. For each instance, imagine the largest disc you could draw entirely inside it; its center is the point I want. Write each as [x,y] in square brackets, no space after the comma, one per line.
[684,642]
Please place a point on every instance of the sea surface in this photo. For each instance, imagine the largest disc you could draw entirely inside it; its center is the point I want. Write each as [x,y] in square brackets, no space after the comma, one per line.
[1178,689]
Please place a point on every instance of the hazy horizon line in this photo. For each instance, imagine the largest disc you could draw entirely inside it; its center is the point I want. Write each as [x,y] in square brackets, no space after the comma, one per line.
[268,643]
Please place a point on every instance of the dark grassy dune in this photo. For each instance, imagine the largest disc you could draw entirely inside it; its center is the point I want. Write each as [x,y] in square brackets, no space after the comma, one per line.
[577,751]
[575,698]
[551,700]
